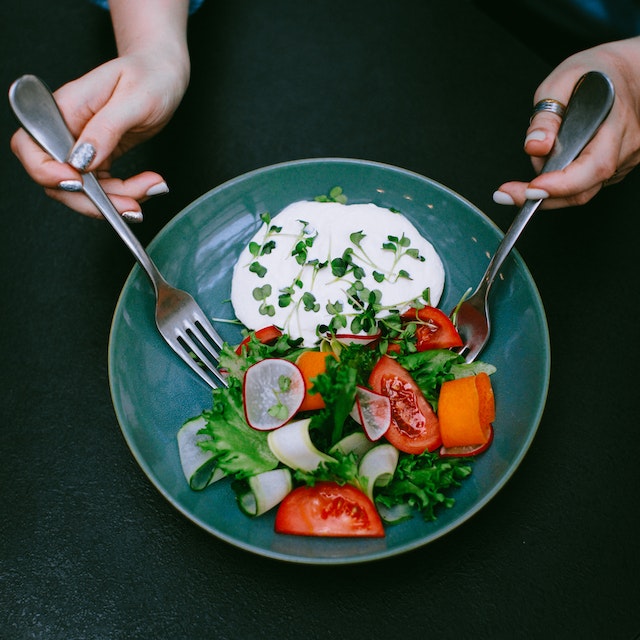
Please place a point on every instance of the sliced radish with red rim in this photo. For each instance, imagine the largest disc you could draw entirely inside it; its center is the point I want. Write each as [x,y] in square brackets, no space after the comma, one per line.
[273,390]
[374,412]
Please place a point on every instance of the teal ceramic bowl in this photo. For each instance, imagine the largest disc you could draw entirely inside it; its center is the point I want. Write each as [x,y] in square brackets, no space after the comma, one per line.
[154,392]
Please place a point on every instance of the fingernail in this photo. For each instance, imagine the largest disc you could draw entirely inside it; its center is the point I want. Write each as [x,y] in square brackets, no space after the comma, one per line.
[70,185]
[158,189]
[82,156]
[536,134]
[535,194]
[132,216]
[500,197]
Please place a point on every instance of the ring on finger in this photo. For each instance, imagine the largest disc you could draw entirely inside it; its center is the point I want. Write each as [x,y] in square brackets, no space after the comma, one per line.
[549,104]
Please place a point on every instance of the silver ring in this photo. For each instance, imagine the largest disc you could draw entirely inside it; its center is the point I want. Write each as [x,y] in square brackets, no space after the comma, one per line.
[549,104]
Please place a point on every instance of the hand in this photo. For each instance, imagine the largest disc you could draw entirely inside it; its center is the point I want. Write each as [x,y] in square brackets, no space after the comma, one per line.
[614,150]
[113,107]
[118,105]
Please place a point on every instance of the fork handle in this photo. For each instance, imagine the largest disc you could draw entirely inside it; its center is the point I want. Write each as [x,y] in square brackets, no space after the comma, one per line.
[589,105]
[36,109]
[100,199]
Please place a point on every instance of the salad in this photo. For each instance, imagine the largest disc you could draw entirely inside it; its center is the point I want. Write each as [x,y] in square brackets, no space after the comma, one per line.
[371,420]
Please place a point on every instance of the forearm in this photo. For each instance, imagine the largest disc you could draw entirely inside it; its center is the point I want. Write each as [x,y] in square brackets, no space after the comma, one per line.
[152,26]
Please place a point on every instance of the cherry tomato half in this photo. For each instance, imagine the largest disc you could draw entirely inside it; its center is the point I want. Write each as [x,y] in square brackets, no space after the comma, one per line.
[414,425]
[328,509]
[434,329]
[264,335]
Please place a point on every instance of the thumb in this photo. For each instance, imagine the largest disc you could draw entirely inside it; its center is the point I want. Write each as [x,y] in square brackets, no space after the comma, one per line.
[101,136]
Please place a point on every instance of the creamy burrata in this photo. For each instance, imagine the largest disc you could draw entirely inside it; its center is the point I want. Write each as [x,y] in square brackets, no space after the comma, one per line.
[302,265]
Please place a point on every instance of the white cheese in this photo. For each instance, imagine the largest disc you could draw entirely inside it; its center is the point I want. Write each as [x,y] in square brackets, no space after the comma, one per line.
[285,277]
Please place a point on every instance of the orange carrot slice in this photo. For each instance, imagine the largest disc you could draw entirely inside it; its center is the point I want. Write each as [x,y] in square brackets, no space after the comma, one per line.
[466,409]
[312,364]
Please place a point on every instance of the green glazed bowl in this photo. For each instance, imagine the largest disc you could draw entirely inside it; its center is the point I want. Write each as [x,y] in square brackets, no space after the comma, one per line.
[153,391]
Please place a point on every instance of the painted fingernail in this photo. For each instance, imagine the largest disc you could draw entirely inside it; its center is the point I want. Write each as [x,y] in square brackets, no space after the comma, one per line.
[82,156]
[158,189]
[536,134]
[500,197]
[132,216]
[535,194]
[70,185]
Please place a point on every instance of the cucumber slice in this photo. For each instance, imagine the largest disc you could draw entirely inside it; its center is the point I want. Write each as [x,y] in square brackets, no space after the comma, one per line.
[395,514]
[264,491]
[377,467]
[355,442]
[199,466]
[292,445]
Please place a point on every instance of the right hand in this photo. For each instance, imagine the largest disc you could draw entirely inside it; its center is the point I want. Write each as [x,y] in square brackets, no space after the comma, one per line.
[113,107]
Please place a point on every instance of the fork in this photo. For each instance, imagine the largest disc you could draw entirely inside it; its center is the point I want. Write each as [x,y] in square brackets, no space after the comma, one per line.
[590,103]
[179,319]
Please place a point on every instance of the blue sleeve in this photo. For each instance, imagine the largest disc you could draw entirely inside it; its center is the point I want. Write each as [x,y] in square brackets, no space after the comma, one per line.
[194,5]
[600,19]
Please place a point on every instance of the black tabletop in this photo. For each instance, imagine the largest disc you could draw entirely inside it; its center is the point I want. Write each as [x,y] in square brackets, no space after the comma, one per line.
[90,549]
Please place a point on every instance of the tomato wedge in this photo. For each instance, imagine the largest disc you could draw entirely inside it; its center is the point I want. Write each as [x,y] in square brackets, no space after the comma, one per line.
[264,335]
[328,509]
[414,425]
[434,329]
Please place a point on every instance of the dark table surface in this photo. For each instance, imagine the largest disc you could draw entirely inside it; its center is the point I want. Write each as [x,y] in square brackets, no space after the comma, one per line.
[90,549]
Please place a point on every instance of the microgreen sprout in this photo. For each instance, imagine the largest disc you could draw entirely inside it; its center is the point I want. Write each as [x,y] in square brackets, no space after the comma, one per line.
[279,410]
[261,294]
[265,247]
[334,195]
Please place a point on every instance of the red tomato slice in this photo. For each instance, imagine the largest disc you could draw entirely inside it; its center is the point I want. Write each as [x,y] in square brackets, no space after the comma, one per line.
[328,509]
[414,425]
[265,335]
[434,329]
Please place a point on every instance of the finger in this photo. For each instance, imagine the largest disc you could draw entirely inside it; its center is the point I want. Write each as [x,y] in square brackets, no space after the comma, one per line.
[98,119]
[126,195]
[127,207]
[40,166]
[140,187]
[550,101]
[541,134]
[597,163]
[517,193]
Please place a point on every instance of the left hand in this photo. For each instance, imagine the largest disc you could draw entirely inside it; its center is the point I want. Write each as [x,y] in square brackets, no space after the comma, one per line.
[614,150]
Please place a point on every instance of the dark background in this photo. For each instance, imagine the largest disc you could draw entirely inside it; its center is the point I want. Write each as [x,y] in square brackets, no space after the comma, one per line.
[88,547]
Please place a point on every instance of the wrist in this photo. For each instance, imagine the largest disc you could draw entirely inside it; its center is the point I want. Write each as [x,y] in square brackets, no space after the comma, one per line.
[151,26]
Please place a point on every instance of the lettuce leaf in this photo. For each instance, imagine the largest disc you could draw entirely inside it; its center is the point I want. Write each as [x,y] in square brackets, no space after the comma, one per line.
[431,368]
[240,450]
[421,482]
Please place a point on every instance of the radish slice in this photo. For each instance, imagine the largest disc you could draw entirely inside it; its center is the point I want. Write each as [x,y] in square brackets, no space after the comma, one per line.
[374,412]
[273,390]
[292,445]
[377,467]
[464,452]
[356,443]
[357,338]
[199,466]
[265,491]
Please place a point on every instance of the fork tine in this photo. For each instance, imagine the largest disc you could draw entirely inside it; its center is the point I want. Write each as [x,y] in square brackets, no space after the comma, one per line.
[196,340]
[204,363]
[199,364]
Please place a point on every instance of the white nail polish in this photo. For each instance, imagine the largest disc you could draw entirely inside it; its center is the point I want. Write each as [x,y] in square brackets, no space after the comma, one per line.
[132,216]
[70,185]
[158,189]
[82,156]
[500,197]
[537,134]
[535,194]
